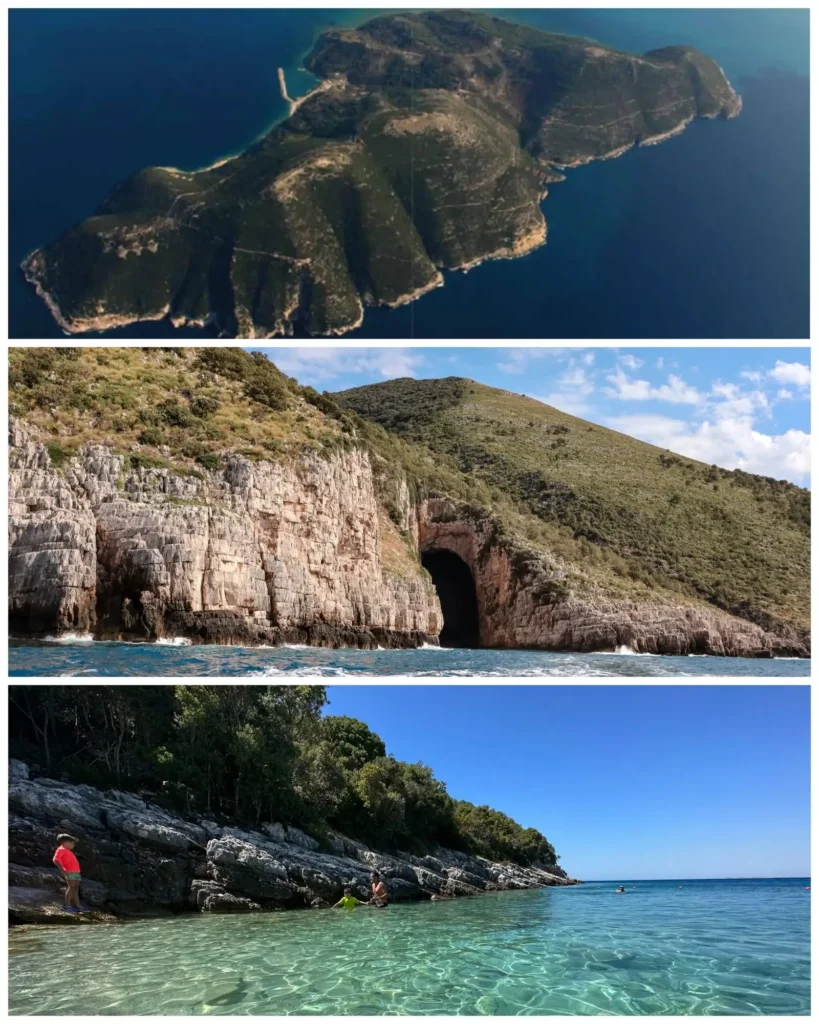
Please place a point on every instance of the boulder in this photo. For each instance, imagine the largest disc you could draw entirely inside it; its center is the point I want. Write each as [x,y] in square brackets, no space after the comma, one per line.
[138,858]
[224,903]
[299,838]
[244,868]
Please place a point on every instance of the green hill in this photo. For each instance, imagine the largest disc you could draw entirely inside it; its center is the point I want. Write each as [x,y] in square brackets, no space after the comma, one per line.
[587,517]
[428,144]
[617,506]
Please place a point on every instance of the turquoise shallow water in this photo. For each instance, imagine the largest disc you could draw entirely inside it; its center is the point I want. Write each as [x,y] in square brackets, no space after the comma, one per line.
[90,658]
[712,947]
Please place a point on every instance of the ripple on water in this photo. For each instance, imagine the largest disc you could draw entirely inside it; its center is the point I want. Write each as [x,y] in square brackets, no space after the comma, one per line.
[80,656]
[738,947]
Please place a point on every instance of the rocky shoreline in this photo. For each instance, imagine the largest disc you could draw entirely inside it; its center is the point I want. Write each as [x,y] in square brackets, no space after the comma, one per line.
[141,860]
[263,553]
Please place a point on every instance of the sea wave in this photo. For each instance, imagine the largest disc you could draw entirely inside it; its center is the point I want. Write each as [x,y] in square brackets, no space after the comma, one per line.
[71,638]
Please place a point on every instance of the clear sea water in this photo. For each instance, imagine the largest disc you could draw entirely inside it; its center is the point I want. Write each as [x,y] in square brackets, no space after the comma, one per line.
[710,947]
[705,236]
[105,658]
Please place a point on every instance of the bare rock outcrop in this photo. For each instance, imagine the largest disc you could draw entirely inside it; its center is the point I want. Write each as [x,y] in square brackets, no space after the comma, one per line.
[138,858]
[526,601]
[302,551]
[253,553]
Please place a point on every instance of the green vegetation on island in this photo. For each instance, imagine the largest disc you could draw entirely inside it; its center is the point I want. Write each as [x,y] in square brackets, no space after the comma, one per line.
[252,754]
[428,146]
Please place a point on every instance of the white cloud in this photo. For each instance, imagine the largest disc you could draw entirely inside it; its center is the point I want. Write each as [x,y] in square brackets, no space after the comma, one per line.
[321,365]
[575,387]
[784,394]
[659,363]
[676,390]
[576,379]
[518,360]
[753,375]
[730,442]
[791,373]
[588,359]
[737,404]
[631,362]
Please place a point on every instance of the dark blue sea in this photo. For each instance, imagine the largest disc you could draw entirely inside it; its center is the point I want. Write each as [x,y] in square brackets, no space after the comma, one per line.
[704,236]
[78,655]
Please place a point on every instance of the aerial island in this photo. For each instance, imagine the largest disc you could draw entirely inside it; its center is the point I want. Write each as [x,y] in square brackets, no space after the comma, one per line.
[428,145]
[202,494]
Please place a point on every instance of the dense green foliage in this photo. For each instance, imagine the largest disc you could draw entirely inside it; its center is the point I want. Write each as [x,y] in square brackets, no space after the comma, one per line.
[735,539]
[251,754]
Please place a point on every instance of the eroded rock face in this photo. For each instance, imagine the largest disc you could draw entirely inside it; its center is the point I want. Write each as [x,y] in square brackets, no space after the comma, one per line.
[267,553]
[524,601]
[257,552]
[138,863]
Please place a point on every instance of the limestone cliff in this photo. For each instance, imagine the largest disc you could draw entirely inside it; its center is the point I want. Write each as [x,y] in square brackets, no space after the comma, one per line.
[137,859]
[297,551]
[525,600]
[303,551]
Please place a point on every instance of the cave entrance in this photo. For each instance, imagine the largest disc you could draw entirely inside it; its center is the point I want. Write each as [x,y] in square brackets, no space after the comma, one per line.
[459,602]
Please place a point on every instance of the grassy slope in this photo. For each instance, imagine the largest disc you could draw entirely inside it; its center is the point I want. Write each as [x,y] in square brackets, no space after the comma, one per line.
[182,409]
[622,506]
[626,515]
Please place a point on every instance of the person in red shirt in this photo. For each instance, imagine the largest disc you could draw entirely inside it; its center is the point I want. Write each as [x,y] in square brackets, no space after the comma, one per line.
[70,867]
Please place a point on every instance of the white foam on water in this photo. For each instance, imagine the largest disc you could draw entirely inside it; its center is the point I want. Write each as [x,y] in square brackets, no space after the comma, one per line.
[174,641]
[625,651]
[71,638]
[318,670]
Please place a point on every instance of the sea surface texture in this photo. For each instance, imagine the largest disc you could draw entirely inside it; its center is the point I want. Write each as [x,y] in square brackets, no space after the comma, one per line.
[703,236]
[671,947]
[85,657]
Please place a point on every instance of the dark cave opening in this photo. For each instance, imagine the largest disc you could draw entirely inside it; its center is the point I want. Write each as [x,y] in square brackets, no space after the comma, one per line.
[459,602]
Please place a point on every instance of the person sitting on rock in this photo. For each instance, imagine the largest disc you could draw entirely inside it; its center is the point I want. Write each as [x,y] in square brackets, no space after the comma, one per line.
[379,890]
[348,901]
[69,866]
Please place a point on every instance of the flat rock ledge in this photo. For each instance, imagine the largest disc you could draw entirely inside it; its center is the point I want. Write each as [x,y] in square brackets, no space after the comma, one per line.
[141,860]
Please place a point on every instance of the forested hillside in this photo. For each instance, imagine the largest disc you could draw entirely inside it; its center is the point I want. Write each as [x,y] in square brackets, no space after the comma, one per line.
[250,754]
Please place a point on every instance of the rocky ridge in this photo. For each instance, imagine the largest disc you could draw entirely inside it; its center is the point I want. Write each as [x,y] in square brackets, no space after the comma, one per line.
[138,859]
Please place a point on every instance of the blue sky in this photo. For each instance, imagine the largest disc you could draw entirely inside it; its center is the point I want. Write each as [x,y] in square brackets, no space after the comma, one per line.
[745,408]
[627,782]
